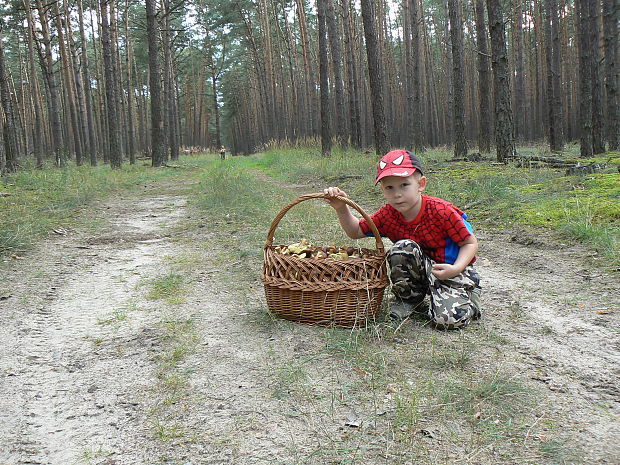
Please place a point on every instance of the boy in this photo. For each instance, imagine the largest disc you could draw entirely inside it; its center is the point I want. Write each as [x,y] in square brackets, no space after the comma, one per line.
[222,152]
[434,245]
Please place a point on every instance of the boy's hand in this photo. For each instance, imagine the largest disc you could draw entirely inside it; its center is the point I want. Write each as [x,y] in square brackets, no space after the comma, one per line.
[445,271]
[336,204]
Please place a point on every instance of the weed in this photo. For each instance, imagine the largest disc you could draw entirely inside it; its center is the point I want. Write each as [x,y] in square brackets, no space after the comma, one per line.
[34,202]
[168,287]
[165,432]
[117,317]
[559,452]
[93,456]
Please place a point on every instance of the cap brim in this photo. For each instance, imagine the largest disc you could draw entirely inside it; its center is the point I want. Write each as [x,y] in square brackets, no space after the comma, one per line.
[395,171]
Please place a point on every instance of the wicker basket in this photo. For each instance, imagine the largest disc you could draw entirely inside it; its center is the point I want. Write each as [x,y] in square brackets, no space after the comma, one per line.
[325,292]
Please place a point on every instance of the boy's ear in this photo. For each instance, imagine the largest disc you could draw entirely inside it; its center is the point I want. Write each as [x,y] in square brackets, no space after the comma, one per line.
[422,183]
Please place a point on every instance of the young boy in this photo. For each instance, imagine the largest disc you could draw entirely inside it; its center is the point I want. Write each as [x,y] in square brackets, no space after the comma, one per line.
[434,245]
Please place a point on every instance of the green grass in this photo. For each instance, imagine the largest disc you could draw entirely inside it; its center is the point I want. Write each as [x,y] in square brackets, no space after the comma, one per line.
[582,209]
[169,287]
[403,382]
[35,202]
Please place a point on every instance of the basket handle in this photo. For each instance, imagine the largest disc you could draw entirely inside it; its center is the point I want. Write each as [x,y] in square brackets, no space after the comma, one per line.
[351,203]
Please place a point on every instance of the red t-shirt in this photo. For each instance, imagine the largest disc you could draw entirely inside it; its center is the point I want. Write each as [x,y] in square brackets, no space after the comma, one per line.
[438,228]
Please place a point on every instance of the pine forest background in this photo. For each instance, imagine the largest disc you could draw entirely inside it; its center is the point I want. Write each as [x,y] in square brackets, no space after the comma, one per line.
[110,81]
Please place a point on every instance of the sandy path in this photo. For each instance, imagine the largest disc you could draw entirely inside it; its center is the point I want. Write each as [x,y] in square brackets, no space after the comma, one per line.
[563,318]
[70,375]
[79,347]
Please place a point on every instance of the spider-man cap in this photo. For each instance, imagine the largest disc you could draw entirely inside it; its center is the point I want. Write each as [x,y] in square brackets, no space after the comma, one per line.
[397,163]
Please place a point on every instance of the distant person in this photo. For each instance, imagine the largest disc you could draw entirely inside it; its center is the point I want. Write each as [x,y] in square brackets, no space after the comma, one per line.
[222,152]
[434,245]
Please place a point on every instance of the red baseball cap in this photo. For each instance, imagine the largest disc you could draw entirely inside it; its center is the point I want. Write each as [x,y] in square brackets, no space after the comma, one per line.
[398,163]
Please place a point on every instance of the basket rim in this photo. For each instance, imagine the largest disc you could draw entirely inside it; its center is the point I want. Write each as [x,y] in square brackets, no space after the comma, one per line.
[320,195]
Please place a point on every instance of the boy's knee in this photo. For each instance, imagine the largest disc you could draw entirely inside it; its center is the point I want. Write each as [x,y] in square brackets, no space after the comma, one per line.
[454,317]
[404,245]
[404,252]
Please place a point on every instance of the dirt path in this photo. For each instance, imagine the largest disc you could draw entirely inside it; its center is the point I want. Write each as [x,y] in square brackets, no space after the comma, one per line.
[72,376]
[84,353]
[563,319]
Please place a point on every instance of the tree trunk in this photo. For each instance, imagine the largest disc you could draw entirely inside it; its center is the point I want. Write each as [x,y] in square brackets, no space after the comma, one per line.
[68,86]
[310,83]
[556,65]
[520,113]
[414,105]
[334,34]
[598,125]
[157,139]
[326,142]
[353,90]
[9,129]
[131,148]
[166,73]
[504,133]
[375,72]
[47,67]
[484,81]
[92,136]
[612,70]
[554,108]
[585,85]
[458,77]
[35,91]
[77,79]
[110,88]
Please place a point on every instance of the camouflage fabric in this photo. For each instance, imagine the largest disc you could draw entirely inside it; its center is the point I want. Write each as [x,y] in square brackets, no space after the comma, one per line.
[454,302]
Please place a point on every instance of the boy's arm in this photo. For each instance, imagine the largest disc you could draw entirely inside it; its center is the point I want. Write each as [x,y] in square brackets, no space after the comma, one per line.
[467,252]
[350,224]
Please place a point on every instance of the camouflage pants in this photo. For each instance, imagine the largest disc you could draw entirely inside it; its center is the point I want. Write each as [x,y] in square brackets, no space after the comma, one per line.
[454,302]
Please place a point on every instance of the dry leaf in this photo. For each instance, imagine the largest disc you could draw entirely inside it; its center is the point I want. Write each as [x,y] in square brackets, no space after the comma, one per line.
[605,312]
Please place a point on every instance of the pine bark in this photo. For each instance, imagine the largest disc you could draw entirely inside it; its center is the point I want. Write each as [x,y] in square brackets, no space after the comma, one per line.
[375,72]
[88,99]
[131,146]
[582,13]
[484,81]
[68,87]
[77,80]
[35,92]
[598,125]
[9,129]
[612,70]
[458,77]
[519,108]
[414,106]
[157,136]
[47,67]
[114,153]
[324,79]
[554,104]
[352,75]
[333,31]
[504,132]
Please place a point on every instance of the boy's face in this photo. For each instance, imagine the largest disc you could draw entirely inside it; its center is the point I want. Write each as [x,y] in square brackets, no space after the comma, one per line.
[404,193]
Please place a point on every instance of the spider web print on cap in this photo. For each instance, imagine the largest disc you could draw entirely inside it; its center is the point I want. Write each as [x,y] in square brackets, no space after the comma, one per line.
[398,163]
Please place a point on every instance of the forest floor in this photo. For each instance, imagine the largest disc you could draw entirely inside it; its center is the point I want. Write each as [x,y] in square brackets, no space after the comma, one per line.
[124,344]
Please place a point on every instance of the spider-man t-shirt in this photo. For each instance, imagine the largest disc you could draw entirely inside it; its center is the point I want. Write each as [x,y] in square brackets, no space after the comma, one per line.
[438,228]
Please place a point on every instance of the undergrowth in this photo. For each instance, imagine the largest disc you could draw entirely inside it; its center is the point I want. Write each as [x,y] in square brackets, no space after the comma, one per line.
[582,209]
[404,387]
[33,203]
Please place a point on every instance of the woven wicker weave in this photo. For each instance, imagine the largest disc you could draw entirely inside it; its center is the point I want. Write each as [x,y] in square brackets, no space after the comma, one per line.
[325,292]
